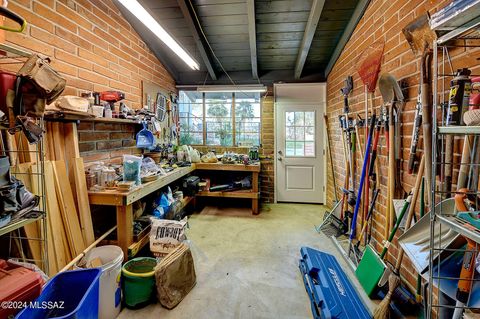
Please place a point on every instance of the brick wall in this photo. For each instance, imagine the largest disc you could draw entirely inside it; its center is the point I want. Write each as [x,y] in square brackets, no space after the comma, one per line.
[91,45]
[383,20]
[106,142]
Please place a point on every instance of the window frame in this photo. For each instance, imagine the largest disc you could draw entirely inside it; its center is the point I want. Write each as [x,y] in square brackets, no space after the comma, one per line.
[234,124]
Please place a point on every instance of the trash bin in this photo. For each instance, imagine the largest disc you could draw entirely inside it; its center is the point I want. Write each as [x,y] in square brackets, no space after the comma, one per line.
[110,294]
[68,295]
[139,281]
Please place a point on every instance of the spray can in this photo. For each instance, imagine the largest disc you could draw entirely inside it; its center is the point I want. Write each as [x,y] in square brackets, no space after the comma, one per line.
[474,103]
[458,99]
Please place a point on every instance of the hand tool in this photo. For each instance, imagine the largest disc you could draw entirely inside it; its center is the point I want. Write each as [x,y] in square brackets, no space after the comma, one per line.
[362,180]
[382,311]
[345,91]
[4,12]
[416,128]
[111,97]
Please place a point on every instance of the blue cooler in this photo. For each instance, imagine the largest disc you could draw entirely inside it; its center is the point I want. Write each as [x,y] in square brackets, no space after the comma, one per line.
[70,294]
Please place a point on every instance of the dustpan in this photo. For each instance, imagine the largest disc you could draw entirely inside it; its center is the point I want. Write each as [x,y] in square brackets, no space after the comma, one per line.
[416,240]
[145,138]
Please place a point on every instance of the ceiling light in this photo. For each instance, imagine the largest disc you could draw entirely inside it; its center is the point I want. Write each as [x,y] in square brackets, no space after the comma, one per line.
[232,88]
[146,18]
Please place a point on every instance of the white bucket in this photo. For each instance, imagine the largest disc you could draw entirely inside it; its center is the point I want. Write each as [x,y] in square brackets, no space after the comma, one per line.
[110,294]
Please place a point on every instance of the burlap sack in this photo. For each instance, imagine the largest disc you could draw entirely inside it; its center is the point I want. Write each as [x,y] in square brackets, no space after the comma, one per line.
[175,276]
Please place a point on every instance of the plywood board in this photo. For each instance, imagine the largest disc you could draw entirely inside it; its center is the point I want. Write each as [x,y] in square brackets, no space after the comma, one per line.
[68,209]
[58,141]
[83,204]
[72,152]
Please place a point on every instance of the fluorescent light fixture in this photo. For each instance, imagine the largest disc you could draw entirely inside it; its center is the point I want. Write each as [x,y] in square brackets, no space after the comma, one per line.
[232,88]
[146,18]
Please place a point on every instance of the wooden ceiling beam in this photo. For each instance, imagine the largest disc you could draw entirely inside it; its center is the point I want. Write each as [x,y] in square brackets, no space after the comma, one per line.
[185,7]
[310,28]
[347,33]
[252,36]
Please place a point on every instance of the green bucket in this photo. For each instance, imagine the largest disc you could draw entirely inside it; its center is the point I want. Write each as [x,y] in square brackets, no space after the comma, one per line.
[139,281]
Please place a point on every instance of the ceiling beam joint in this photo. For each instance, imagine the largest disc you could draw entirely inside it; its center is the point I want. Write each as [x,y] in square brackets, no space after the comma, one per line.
[310,28]
[185,7]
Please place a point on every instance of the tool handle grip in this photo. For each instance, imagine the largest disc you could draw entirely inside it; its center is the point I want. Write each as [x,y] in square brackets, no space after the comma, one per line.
[15,17]
[411,162]
[345,104]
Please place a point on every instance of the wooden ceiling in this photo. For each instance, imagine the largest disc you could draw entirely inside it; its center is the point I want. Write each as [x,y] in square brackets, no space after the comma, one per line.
[252,40]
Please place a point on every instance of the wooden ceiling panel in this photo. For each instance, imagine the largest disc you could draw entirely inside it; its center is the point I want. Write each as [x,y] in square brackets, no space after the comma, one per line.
[225,20]
[272,6]
[282,17]
[226,30]
[281,27]
[221,9]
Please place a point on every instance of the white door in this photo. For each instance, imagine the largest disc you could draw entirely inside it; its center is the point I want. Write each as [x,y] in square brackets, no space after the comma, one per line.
[300,155]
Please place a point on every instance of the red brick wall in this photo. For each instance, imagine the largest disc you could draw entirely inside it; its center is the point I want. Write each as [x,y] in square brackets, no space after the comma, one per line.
[383,20]
[91,44]
[106,142]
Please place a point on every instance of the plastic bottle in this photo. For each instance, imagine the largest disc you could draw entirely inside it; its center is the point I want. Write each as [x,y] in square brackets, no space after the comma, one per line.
[108,111]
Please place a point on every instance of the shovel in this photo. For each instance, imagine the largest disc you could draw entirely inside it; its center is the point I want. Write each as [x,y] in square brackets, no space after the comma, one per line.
[391,92]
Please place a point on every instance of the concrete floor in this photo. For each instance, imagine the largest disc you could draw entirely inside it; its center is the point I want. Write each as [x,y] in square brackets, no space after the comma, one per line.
[247,266]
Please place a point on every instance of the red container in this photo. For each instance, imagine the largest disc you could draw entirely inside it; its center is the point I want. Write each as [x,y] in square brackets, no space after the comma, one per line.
[7,81]
[18,284]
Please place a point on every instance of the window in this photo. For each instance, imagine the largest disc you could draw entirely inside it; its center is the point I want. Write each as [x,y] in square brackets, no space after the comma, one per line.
[223,119]
[300,134]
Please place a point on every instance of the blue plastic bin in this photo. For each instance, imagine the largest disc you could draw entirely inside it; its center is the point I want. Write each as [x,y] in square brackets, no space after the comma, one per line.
[76,291]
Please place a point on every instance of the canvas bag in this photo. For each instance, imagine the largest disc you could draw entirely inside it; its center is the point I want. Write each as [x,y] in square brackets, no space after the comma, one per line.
[175,276]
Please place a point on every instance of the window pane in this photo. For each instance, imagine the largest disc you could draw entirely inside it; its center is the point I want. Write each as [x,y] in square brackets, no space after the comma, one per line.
[309,133]
[290,134]
[218,107]
[290,148]
[191,117]
[299,148]
[300,134]
[247,119]
[309,118]
[290,118]
[299,118]
[309,149]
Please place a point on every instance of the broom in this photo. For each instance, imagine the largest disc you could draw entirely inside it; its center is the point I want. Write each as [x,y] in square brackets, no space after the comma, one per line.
[383,309]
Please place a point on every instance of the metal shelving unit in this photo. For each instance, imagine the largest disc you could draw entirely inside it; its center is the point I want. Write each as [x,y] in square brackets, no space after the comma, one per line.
[445,262]
[25,245]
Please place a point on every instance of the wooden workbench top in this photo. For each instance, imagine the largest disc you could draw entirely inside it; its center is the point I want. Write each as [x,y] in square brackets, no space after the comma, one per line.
[228,167]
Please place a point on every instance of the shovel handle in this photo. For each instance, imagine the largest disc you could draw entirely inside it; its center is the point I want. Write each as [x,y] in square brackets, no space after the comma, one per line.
[397,224]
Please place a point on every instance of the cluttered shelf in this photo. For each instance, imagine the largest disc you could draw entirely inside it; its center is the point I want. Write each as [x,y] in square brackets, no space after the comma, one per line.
[74,118]
[228,167]
[117,198]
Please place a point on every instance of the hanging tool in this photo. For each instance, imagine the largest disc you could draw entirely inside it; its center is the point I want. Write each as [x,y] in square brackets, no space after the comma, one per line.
[417,122]
[111,97]
[345,91]
[418,294]
[347,169]
[325,118]
[362,180]
[363,233]
[419,35]
[4,12]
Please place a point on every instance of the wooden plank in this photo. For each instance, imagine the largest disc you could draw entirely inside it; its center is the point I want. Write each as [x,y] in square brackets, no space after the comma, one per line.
[228,167]
[310,28]
[125,227]
[55,229]
[68,209]
[282,17]
[58,141]
[134,248]
[72,152]
[255,190]
[82,201]
[283,6]
[234,194]
[221,9]
[279,44]
[281,27]
[224,20]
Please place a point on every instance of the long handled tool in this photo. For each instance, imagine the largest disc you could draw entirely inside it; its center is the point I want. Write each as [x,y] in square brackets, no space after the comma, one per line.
[419,35]
[382,311]
[365,225]
[362,180]
[325,118]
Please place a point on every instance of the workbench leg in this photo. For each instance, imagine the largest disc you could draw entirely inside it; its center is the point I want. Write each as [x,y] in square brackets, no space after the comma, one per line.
[255,191]
[125,228]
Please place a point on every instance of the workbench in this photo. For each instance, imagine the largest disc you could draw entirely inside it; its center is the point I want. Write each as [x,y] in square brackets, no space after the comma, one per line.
[123,201]
[253,193]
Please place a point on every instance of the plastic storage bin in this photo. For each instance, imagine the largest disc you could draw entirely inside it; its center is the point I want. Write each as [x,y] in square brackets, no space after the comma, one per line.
[68,295]
[139,281]
[110,290]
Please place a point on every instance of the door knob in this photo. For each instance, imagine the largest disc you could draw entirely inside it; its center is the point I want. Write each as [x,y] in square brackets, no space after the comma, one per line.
[280,153]
[279,158]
